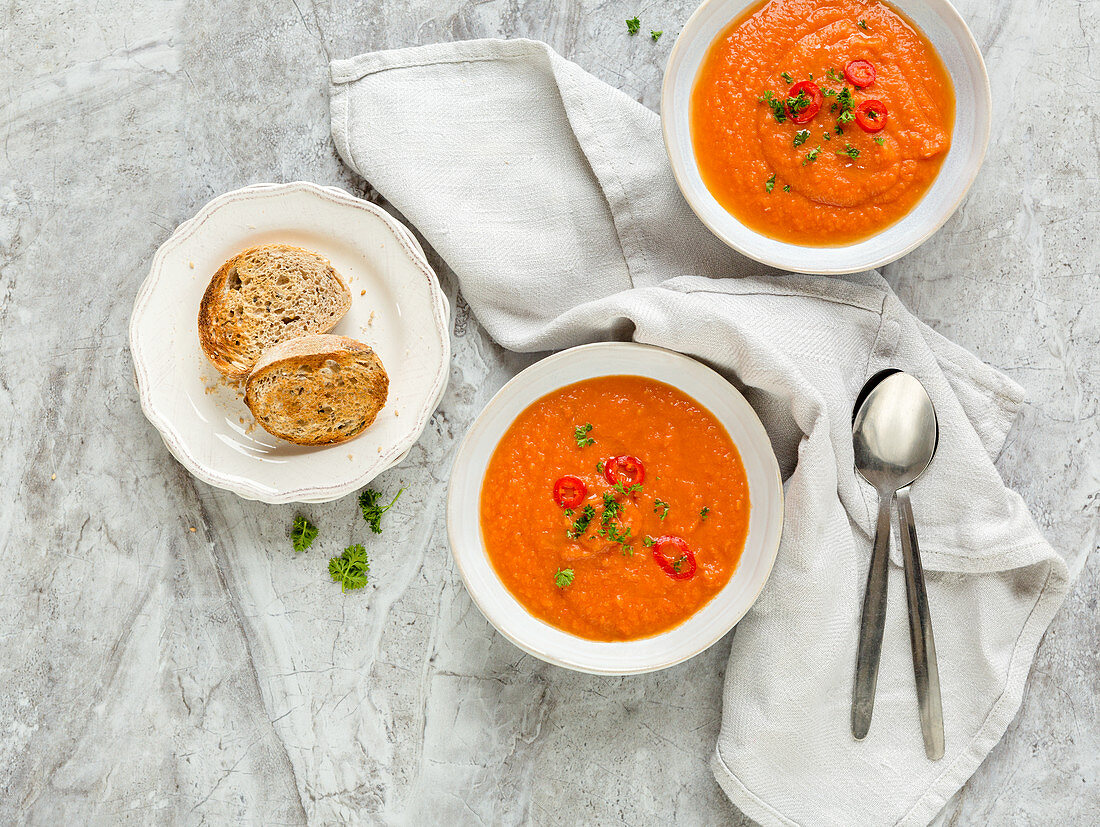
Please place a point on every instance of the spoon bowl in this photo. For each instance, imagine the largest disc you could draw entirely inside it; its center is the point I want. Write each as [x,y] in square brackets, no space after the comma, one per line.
[894,433]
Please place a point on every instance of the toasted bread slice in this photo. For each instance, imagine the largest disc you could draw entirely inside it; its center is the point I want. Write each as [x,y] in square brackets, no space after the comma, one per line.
[264,296]
[317,390]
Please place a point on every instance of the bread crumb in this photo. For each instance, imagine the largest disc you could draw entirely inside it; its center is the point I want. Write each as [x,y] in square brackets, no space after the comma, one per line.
[396,412]
[362,292]
[191,264]
[192,529]
[241,419]
[53,476]
[380,449]
[351,456]
[370,321]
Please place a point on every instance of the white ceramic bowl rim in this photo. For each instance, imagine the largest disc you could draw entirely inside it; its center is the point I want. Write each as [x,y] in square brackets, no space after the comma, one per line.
[712,621]
[323,487]
[949,34]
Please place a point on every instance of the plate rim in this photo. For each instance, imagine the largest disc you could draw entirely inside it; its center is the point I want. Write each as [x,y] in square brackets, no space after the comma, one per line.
[246,488]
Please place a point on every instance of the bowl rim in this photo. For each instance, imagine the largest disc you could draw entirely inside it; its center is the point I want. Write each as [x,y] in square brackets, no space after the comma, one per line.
[769,553]
[946,10]
[157,279]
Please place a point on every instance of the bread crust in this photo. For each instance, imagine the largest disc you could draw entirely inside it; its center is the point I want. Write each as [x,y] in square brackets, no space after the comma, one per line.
[299,365]
[220,332]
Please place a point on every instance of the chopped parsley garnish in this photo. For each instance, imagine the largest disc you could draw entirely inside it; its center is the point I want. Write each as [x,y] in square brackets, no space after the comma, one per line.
[787,76]
[580,525]
[580,433]
[801,136]
[829,93]
[350,568]
[769,185]
[660,508]
[611,508]
[627,490]
[880,140]
[827,136]
[372,512]
[656,35]
[786,188]
[846,104]
[798,102]
[633,25]
[678,563]
[563,578]
[599,467]
[850,151]
[302,533]
[834,76]
[811,156]
[648,541]
[863,25]
[779,109]
[703,514]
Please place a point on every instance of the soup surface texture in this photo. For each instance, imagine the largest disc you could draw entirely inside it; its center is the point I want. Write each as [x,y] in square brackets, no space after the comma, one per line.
[821,122]
[615,508]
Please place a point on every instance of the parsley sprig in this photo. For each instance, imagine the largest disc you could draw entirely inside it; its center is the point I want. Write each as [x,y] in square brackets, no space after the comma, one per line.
[633,25]
[350,568]
[372,511]
[580,433]
[563,578]
[302,533]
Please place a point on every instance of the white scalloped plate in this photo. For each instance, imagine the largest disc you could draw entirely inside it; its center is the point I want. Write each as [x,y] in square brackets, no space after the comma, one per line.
[402,315]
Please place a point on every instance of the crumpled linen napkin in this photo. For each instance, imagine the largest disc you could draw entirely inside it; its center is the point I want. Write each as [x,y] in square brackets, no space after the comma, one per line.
[549,194]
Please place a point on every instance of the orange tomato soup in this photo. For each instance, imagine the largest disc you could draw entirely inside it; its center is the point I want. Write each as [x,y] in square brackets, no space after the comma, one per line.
[825,181]
[649,525]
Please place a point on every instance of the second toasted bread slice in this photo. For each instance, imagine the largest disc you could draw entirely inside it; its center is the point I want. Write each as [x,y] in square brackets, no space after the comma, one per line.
[264,296]
[317,390]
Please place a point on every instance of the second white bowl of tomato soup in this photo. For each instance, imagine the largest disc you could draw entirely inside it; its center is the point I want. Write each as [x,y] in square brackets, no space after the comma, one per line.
[616,508]
[825,136]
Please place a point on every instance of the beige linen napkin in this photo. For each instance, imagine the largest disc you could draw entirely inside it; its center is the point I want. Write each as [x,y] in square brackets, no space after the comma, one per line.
[549,195]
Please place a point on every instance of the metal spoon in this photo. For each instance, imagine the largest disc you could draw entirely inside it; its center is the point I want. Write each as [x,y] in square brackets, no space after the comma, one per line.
[894,434]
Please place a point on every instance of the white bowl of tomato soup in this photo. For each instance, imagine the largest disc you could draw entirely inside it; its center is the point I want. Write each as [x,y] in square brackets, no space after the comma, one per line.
[825,136]
[615,509]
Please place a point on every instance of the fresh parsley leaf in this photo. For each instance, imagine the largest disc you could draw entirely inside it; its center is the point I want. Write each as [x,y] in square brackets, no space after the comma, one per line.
[703,514]
[633,25]
[656,35]
[880,140]
[786,188]
[798,102]
[769,185]
[302,533]
[350,568]
[779,109]
[627,491]
[599,468]
[678,563]
[835,76]
[372,512]
[811,156]
[660,508]
[648,541]
[827,136]
[846,104]
[863,25]
[850,151]
[801,136]
[563,578]
[580,433]
[787,76]
[580,525]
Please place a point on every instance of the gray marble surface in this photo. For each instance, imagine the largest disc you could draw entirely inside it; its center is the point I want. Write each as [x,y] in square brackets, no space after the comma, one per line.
[167,659]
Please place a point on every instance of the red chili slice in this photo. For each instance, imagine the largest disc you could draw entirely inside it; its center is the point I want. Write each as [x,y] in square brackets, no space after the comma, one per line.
[813,92]
[570,491]
[626,466]
[860,73]
[681,564]
[871,115]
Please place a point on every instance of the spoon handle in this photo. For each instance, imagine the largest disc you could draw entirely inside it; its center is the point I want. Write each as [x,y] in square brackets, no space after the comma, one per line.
[874,620]
[925,667]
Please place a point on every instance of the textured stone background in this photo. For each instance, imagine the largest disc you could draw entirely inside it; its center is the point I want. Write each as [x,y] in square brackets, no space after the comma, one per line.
[152,674]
